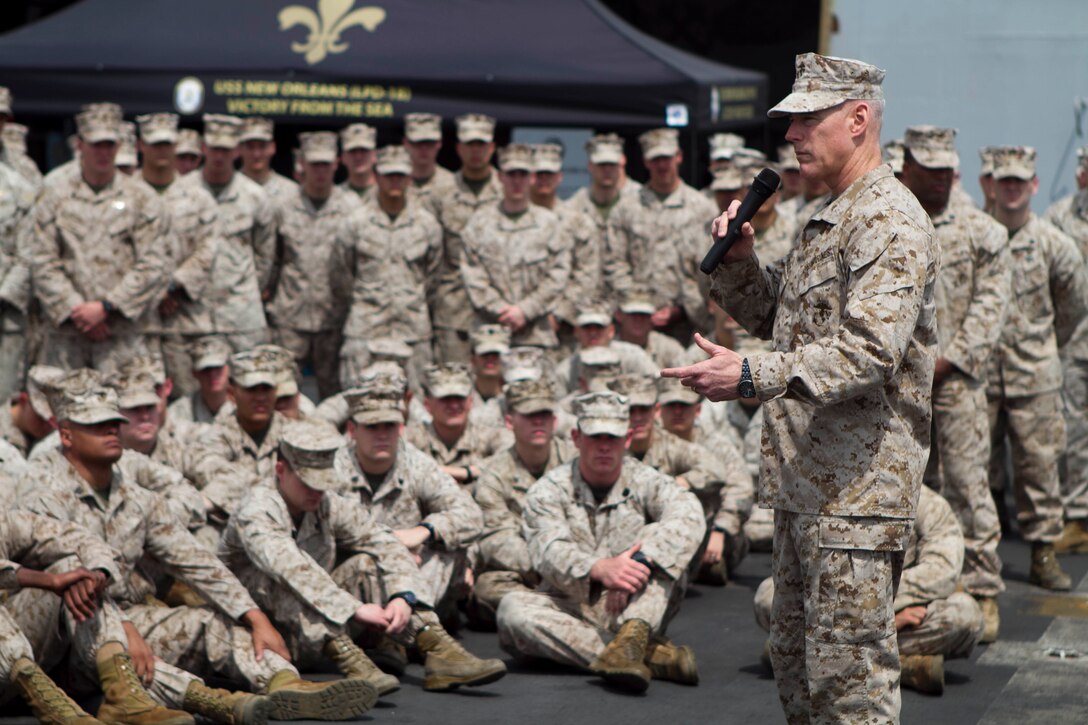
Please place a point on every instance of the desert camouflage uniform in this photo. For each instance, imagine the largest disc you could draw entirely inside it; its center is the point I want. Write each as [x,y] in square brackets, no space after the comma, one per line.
[385,266]
[633,359]
[23,165]
[523,261]
[776,241]
[227,462]
[190,408]
[504,553]
[362,195]
[429,191]
[245,261]
[654,243]
[846,431]
[1071,216]
[486,413]
[194,237]
[665,351]
[806,209]
[416,491]
[972,297]
[451,313]
[934,555]
[136,523]
[305,312]
[279,188]
[1049,299]
[586,274]
[474,445]
[311,577]
[16,227]
[104,245]
[568,532]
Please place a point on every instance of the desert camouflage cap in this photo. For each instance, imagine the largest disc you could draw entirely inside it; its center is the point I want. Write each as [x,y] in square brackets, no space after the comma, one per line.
[158,127]
[189,142]
[255,128]
[5,101]
[594,313]
[892,154]
[659,142]
[787,158]
[358,136]
[548,157]
[259,366]
[126,145]
[487,339]
[598,363]
[932,147]
[448,380]
[671,390]
[318,147]
[100,122]
[729,178]
[222,131]
[605,148]
[393,159]
[422,127]
[986,160]
[529,396]
[516,157]
[80,396]
[823,81]
[378,398]
[389,348]
[637,300]
[135,388]
[523,363]
[209,352]
[602,413]
[39,381]
[310,447]
[475,127]
[722,145]
[149,364]
[638,389]
[14,136]
[1017,162]
[285,371]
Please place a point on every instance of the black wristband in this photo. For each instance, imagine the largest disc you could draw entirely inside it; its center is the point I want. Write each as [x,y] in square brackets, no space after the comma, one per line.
[641,558]
[107,306]
[469,475]
[430,528]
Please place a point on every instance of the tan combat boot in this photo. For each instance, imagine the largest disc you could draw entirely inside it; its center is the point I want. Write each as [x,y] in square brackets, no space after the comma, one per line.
[1074,538]
[294,698]
[622,662]
[448,665]
[923,673]
[1046,572]
[124,699]
[714,575]
[227,708]
[353,662]
[390,657]
[48,702]
[672,663]
[991,619]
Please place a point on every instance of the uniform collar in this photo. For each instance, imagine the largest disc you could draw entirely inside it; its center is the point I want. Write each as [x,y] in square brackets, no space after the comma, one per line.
[838,206]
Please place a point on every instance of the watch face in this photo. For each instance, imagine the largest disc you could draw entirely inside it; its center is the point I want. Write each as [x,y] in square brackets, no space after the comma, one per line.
[747,389]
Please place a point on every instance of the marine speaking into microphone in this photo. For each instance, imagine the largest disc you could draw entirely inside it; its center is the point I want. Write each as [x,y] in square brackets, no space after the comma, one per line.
[763,187]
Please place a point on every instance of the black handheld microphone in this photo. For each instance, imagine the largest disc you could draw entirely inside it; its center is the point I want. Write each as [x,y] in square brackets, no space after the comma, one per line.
[763,187]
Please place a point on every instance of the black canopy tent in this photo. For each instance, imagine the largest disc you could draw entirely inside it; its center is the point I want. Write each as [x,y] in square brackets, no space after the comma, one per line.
[564,62]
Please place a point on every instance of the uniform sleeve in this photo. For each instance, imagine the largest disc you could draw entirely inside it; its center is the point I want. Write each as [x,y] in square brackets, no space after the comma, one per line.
[677,527]
[1069,290]
[555,555]
[193,274]
[265,243]
[940,555]
[585,273]
[144,284]
[616,265]
[343,270]
[173,546]
[483,293]
[884,299]
[217,474]
[15,280]
[545,296]
[749,293]
[970,347]
[449,508]
[183,500]
[52,286]
[269,545]
[501,546]
[39,541]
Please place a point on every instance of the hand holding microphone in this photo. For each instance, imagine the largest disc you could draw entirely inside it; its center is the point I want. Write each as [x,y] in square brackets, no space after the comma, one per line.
[763,187]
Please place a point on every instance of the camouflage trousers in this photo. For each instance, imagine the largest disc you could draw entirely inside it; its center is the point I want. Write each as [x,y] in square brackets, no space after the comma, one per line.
[1074,465]
[833,644]
[442,574]
[67,349]
[961,437]
[452,345]
[491,587]
[13,350]
[192,641]
[553,626]
[320,349]
[1036,432]
[952,626]
[242,341]
[759,529]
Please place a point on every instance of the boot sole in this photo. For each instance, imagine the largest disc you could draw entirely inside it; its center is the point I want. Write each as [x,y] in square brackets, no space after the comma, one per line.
[255,712]
[438,683]
[342,700]
[688,670]
[628,681]
[1053,587]
[179,719]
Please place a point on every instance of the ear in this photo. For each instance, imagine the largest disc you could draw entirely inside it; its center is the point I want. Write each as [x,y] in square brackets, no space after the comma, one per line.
[509,419]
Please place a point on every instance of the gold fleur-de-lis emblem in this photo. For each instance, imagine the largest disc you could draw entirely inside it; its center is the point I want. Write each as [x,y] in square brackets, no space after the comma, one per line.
[326,25]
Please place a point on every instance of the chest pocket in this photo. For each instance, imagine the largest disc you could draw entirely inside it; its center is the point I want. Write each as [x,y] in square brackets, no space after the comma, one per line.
[1030,283]
[819,296]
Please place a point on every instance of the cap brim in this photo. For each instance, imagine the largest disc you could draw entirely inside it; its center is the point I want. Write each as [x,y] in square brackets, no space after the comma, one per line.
[470,136]
[138,399]
[252,380]
[221,142]
[254,137]
[507,168]
[512,375]
[642,399]
[373,417]
[155,137]
[593,319]
[658,151]
[39,403]
[936,159]
[352,145]
[807,102]
[100,136]
[390,169]
[679,396]
[1013,172]
[637,308]
[451,391]
[319,157]
[605,157]
[421,136]
[289,387]
[210,362]
[607,426]
[490,348]
[535,405]
[548,168]
[319,479]
[96,416]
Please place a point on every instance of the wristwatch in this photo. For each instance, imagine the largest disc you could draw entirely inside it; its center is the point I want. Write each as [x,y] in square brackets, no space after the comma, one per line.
[408,597]
[746,388]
